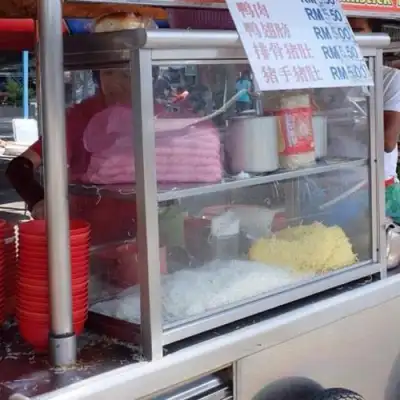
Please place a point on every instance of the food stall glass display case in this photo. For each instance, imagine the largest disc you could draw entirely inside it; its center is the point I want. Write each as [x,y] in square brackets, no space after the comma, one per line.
[251,207]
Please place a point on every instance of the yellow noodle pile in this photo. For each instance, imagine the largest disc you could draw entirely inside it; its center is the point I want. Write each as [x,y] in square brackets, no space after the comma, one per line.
[313,248]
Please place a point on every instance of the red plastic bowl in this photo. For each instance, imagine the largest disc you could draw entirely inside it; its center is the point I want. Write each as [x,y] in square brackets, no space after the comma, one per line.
[43,283]
[79,247]
[33,242]
[126,272]
[79,297]
[76,239]
[27,305]
[36,273]
[78,314]
[40,262]
[40,243]
[37,334]
[40,291]
[35,262]
[42,266]
[38,227]
[43,307]
[79,226]
[81,239]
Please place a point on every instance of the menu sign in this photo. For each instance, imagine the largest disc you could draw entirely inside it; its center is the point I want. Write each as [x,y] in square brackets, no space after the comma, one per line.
[299,44]
[385,6]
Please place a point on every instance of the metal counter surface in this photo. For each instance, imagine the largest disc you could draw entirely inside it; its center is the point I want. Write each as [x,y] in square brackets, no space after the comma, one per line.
[31,375]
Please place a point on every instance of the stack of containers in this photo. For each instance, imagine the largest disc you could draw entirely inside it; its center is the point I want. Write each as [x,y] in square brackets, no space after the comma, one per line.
[3,226]
[33,312]
[10,251]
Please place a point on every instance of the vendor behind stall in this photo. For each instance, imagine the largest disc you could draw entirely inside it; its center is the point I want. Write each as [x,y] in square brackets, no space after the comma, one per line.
[114,89]
[100,152]
[391,106]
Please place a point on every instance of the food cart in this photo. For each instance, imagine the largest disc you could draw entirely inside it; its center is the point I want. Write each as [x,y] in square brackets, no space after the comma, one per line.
[215,316]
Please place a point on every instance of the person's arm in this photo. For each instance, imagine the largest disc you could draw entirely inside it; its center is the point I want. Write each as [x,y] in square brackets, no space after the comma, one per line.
[21,174]
[391,108]
[392,129]
[21,170]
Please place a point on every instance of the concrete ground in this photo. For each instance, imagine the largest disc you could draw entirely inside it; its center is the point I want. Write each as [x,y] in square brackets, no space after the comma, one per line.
[11,208]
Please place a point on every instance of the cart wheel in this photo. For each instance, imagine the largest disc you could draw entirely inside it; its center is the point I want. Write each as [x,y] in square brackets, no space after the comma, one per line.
[338,394]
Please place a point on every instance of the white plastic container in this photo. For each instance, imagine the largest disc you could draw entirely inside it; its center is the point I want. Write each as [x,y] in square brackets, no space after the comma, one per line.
[320,130]
[252,144]
[225,235]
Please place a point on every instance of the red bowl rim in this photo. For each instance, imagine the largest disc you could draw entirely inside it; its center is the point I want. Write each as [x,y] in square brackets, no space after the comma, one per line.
[75,266]
[27,286]
[40,224]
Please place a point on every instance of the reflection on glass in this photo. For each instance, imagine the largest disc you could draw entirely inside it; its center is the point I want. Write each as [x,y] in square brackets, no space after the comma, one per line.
[237,216]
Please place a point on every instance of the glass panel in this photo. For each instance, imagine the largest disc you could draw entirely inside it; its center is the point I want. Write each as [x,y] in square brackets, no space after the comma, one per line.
[96,180]
[213,126]
[231,246]
[257,191]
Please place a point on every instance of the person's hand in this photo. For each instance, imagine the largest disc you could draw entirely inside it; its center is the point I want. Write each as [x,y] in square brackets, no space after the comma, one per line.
[38,210]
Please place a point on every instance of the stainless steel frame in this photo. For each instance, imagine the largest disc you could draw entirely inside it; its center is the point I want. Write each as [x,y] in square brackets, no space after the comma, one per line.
[142,49]
[146,184]
[376,164]
[144,379]
[62,337]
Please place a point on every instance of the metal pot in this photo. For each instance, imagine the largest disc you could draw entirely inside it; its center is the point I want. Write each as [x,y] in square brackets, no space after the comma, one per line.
[392,245]
[320,131]
[252,144]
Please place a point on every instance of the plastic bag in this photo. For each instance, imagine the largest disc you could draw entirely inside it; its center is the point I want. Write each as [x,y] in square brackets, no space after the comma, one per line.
[184,153]
[392,202]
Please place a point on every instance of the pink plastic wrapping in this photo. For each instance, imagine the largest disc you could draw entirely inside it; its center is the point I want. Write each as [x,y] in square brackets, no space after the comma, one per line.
[184,152]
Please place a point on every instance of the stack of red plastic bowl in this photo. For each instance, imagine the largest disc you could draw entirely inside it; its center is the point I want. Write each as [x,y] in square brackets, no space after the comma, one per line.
[10,252]
[32,312]
[3,226]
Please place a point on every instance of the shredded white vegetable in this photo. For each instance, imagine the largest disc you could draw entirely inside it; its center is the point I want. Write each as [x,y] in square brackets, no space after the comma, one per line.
[191,292]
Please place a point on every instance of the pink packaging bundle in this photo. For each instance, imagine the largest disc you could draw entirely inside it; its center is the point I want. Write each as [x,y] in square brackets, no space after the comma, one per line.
[185,152]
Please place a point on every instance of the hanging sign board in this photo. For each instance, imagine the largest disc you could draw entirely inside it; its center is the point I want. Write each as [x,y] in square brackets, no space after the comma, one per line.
[377,6]
[308,45]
